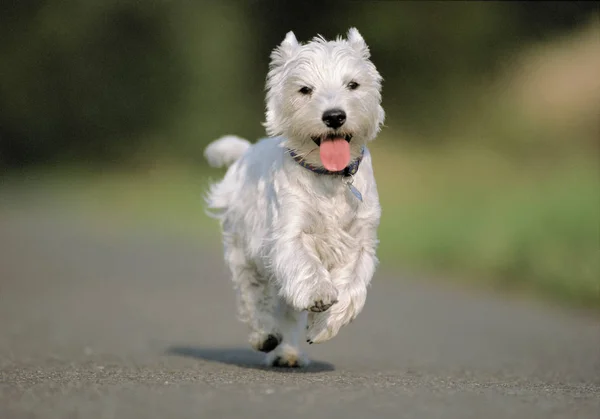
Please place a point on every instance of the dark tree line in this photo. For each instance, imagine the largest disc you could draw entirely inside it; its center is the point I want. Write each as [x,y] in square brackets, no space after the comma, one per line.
[95,82]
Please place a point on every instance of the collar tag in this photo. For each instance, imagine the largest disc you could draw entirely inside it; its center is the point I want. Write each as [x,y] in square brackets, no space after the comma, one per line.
[353,189]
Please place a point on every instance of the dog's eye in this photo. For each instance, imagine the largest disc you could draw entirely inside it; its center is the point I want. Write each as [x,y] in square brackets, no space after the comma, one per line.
[353,85]
[305,90]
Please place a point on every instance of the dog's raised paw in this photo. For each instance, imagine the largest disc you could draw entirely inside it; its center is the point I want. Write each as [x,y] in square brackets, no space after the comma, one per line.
[270,343]
[320,306]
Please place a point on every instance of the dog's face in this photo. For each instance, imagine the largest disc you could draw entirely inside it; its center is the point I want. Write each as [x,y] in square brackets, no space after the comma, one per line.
[324,97]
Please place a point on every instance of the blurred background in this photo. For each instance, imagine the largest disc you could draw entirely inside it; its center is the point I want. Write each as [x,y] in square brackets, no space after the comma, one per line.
[488,164]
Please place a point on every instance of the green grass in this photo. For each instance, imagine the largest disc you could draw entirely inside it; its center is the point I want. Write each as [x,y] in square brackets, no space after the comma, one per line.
[471,214]
[460,213]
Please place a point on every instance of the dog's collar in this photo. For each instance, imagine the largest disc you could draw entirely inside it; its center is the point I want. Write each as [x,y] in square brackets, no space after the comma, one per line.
[350,170]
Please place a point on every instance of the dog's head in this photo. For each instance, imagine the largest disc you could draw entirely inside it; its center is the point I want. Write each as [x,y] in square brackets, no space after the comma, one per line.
[324,97]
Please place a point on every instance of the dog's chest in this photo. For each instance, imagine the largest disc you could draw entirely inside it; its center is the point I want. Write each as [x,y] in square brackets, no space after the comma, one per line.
[330,225]
[331,204]
[334,214]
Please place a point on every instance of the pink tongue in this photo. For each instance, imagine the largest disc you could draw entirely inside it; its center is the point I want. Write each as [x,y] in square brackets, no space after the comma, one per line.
[335,154]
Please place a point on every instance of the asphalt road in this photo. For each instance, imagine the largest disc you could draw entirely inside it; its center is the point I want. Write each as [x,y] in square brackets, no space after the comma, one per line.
[99,323]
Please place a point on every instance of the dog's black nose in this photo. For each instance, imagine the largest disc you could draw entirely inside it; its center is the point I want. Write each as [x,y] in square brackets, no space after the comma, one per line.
[334,118]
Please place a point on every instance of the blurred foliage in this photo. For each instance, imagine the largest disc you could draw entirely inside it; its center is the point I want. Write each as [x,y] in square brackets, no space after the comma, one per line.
[111,80]
[80,79]
[474,214]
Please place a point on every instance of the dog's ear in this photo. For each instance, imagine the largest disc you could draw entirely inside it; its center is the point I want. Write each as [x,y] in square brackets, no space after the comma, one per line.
[286,50]
[358,43]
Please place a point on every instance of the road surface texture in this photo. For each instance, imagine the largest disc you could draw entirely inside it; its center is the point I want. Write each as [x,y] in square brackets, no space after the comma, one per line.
[100,323]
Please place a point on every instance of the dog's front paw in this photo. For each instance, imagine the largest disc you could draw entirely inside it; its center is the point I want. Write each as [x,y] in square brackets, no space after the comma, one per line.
[323,326]
[321,298]
[320,306]
[315,298]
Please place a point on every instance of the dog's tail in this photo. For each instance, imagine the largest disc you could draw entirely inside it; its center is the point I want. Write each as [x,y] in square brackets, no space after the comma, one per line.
[226,150]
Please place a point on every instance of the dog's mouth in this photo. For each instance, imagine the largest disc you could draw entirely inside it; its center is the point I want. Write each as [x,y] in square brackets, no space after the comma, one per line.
[334,150]
[331,136]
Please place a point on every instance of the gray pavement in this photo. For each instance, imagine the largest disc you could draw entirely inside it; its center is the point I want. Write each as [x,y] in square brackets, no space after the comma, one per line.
[106,323]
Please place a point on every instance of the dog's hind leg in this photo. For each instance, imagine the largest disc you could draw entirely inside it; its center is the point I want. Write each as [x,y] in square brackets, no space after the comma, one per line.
[292,324]
[256,301]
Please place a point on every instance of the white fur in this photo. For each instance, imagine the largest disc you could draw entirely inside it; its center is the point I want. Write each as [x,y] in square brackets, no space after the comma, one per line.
[293,237]
[226,150]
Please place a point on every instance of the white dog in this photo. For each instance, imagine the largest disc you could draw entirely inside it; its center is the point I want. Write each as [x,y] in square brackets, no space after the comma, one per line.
[300,210]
